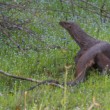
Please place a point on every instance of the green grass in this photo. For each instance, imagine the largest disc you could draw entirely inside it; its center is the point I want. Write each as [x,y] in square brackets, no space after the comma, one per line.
[48,97]
[49,63]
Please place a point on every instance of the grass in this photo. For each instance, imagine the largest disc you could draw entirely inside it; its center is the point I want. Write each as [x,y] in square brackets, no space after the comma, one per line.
[48,97]
[49,63]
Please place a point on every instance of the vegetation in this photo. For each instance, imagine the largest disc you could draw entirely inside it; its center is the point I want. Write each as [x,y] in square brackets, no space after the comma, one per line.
[33,45]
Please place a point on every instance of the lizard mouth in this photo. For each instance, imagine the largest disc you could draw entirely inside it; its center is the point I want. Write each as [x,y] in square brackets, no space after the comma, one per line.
[62,23]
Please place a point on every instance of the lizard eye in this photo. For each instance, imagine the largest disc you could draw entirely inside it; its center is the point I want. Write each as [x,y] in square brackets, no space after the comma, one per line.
[65,23]
[69,26]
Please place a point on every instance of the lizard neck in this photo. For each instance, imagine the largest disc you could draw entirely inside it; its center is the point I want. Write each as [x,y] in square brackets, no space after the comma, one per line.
[81,38]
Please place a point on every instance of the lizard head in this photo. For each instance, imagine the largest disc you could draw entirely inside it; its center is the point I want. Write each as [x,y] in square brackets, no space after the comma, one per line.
[67,25]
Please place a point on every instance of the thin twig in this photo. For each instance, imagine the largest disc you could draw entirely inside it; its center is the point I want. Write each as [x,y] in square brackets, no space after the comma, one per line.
[47,82]
[94,104]
[19,77]
[93,11]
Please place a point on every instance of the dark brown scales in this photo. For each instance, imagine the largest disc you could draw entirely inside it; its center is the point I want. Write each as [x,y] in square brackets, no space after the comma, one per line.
[92,52]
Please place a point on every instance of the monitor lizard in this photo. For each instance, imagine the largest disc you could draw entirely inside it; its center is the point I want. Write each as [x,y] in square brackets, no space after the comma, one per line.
[92,52]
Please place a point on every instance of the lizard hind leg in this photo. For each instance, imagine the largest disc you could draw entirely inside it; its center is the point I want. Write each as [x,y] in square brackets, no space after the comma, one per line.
[103,63]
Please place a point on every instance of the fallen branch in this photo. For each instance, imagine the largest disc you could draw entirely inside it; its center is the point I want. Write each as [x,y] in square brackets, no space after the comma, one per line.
[19,77]
[47,82]
[52,82]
